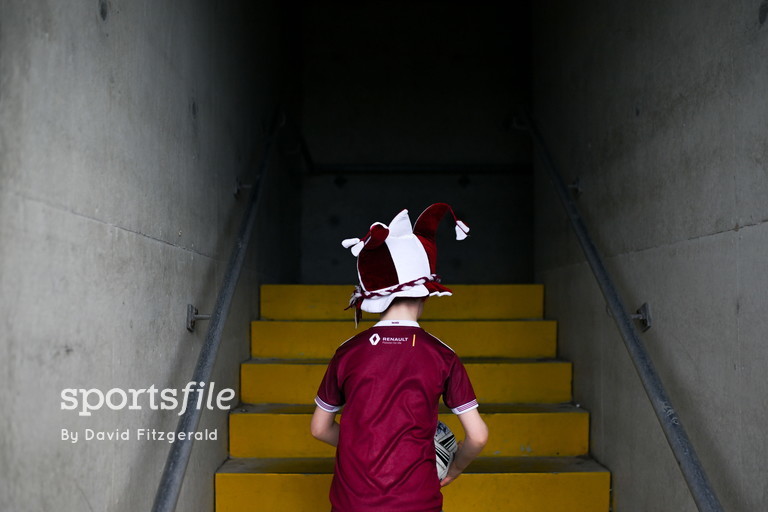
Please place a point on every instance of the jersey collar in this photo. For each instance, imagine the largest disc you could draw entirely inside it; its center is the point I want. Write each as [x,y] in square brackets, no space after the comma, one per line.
[397,323]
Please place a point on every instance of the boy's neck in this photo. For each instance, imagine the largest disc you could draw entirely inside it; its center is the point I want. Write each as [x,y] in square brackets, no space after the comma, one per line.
[403,310]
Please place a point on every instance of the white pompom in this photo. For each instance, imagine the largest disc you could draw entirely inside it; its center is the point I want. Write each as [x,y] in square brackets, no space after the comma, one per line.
[357,248]
[349,242]
[461,230]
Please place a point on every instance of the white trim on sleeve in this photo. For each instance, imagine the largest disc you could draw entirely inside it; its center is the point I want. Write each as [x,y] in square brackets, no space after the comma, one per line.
[326,407]
[465,408]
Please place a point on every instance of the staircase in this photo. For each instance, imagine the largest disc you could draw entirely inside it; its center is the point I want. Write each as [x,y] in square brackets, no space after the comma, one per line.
[536,459]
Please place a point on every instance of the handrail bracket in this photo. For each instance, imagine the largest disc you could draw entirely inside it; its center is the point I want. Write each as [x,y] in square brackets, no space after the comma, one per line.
[193,316]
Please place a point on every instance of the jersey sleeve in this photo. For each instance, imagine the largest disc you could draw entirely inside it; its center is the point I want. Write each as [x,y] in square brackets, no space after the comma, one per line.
[459,395]
[330,397]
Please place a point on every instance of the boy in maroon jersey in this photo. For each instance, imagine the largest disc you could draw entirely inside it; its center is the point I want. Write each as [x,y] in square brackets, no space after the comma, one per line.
[390,378]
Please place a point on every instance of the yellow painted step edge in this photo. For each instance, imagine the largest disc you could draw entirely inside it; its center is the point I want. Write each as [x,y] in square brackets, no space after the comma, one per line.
[319,339]
[526,434]
[547,489]
[509,382]
[327,302]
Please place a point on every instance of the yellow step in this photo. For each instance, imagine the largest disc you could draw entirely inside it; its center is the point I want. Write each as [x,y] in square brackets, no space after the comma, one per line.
[469,302]
[556,484]
[494,381]
[274,431]
[489,485]
[319,339]
[536,456]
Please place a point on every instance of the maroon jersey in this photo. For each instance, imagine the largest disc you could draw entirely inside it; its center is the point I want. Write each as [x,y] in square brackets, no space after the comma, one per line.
[389,379]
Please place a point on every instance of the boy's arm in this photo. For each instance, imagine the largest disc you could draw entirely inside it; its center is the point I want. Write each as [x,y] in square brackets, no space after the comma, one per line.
[324,426]
[476,436]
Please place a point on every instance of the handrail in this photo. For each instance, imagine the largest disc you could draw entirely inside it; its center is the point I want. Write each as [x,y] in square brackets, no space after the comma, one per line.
[689,463]
[178,457]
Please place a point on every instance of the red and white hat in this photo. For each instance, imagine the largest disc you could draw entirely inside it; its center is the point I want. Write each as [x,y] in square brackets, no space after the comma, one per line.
[399,261]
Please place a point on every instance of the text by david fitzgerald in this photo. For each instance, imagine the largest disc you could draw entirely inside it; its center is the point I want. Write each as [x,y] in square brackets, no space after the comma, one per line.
[138,434]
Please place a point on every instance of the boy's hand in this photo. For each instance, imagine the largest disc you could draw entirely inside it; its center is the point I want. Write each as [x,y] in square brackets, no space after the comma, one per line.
[453,471]
[453,474]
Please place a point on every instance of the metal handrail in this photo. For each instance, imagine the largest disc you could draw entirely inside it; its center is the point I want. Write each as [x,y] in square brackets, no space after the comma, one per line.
[683,450]
[176,464]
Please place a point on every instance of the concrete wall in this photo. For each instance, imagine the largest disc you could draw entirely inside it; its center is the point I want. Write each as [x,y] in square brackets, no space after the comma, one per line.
[660,109]
[123,126]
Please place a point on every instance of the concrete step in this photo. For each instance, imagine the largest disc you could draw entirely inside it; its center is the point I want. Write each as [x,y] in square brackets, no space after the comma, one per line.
[271,430]
[490,484]
[319,339]
[469,302]
[495,380]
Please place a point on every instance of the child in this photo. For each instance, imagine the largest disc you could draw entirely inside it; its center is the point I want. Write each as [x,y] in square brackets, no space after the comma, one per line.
[390,378]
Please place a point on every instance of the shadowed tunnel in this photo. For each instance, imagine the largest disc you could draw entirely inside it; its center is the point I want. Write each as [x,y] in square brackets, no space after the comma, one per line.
[125,127]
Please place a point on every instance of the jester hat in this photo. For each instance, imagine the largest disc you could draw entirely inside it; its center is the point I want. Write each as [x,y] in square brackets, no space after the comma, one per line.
[399,261]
